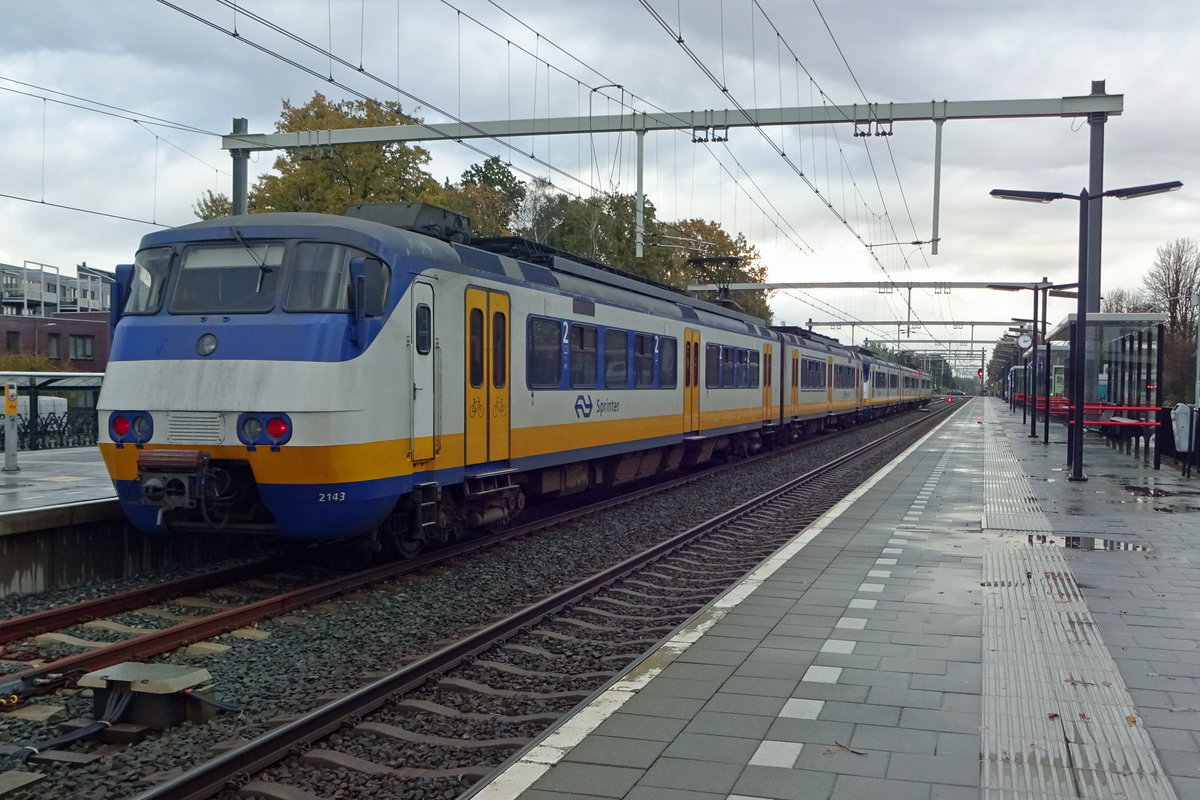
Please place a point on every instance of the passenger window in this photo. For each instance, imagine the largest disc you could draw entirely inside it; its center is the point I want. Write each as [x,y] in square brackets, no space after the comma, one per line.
[712,366]
[583,357]
[616,359]
[424,329]
[643,360]
[475,333]
[668,363]
[543,356]
[727,368]
[742,376]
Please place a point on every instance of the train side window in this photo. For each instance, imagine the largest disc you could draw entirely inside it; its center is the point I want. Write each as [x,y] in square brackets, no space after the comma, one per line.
[712,366]
[583,357]
[754,369]
[499,349]
[742,369]
[668,363]
[475,332]
[543,358]
[616,359]
[149,278]
[424,329]
[727,368]
[643,360]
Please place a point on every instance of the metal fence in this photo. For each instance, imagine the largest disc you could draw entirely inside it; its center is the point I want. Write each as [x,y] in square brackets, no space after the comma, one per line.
[77,427]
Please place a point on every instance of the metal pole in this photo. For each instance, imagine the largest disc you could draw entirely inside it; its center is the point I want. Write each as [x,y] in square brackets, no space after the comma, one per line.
[10,428]
[1033,359]
[1047,371]
[241,157]
[1079,346]
[641,198]
[937,183]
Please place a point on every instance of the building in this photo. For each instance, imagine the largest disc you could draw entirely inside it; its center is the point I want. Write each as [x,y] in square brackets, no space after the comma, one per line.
[63,318]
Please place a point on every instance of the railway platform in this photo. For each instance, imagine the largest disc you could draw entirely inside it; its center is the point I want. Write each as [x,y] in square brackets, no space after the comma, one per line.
[55,487]
[966,624]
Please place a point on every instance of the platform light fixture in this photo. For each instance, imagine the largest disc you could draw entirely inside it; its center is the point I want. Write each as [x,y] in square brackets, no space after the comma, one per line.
[1079,340]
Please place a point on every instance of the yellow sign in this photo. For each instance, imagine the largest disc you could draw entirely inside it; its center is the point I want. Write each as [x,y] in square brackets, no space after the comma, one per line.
[10,398]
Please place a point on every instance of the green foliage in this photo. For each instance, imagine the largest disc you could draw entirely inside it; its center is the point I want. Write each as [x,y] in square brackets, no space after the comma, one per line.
[27,362]
[212,205]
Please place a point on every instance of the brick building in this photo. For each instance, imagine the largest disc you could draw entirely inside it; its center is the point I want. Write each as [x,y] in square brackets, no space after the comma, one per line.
[63,318]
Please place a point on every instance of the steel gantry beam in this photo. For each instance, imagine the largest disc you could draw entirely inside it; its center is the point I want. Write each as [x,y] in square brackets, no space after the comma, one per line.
[710,125]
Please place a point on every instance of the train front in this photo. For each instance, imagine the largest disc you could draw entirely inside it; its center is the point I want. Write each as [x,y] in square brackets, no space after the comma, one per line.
[247,370]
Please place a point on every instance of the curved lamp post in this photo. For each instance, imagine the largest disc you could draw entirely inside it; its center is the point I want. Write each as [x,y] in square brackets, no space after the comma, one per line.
[1079,340]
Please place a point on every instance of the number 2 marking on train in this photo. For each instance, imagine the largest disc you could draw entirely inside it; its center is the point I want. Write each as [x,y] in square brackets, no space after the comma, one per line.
[330,497]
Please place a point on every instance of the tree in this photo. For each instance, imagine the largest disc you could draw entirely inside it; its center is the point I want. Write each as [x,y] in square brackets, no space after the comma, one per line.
[327,179]
[489,194]
[1170,283]
[212,205]
[1124,301]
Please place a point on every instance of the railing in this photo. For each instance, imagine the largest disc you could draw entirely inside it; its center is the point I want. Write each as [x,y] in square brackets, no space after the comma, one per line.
[75,428]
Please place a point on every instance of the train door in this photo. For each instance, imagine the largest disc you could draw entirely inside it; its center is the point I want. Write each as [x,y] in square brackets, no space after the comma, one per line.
[487,365]
[829,382]
[766,382]
[795,381]
[691,380]
[423,350]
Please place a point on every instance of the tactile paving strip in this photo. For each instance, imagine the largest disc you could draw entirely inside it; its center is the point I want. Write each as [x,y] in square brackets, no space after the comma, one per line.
[1058,721]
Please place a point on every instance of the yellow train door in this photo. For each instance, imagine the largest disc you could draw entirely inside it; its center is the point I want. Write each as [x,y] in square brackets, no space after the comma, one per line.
[691,380]
[487,362]
[795,399]
[766,382]
[423,353]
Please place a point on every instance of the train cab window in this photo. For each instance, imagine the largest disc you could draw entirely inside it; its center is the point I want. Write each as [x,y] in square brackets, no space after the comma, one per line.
[424,329]
[712,366]
[227,279]
[668,363]
[149,278]
[643,360]
[543,357]
[499,349]
[616,359]
[583,357]
[475,347]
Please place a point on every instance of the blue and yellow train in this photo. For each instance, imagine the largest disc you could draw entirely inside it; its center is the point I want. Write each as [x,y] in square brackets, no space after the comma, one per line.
[320,377]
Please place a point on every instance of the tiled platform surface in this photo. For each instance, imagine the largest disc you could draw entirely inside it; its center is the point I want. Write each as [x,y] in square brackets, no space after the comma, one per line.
[969,624]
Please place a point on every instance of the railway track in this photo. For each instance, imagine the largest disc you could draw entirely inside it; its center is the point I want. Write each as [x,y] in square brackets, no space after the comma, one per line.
[518,664]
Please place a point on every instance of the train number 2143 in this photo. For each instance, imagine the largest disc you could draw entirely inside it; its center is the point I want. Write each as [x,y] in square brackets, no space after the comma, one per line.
[330,497]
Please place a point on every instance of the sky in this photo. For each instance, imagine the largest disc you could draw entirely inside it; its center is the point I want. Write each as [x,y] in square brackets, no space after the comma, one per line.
[114,113]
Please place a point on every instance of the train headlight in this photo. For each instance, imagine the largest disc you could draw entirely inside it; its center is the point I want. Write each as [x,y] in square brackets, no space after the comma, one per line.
[278,428]
[120,426]
[130,427]
[206,344]
[269,428]
[251,429]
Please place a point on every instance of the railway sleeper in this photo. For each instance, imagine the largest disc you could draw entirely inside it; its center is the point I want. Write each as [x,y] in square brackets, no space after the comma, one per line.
[438,710]
[462,685]
[333,758]
[403,735]
[528,673]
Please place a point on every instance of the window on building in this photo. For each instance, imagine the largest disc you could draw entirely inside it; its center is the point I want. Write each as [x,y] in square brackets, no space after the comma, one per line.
[81,346]
[12,342]
[53,350]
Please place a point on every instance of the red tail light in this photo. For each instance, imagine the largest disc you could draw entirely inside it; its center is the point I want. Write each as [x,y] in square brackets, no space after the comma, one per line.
[277,428]
[120,426]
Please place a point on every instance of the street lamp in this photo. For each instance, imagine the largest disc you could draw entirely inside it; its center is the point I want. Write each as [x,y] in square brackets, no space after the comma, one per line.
[1079,341]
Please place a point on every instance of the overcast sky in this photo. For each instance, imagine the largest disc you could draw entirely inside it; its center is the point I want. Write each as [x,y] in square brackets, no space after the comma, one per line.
[170,78]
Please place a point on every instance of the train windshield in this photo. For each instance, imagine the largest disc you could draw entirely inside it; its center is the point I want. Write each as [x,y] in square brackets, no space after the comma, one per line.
[150,270]
[229,279]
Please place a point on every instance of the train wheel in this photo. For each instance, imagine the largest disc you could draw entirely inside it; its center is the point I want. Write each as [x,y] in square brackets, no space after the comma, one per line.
[398,535]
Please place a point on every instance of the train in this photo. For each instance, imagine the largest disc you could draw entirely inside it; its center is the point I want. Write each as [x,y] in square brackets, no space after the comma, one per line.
[318,377]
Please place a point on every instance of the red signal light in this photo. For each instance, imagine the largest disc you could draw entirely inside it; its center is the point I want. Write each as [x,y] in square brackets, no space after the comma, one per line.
[277,428]
[120,426]
[979,373]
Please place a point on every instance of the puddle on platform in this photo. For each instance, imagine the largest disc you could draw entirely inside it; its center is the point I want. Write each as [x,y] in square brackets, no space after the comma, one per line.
[1147,491]
[1088,543]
